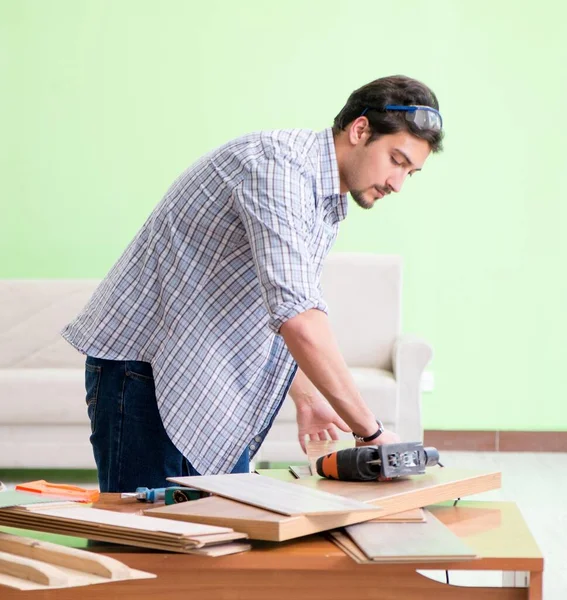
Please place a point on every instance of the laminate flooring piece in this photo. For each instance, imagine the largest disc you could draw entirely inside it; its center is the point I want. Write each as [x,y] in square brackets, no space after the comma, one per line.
[271,494]
[257,523]
[122,528]
[415,515]
[437,485]
[430,541]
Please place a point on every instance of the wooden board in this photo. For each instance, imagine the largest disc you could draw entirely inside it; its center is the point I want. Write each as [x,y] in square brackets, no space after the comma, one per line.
[271,494]
[430,541]
[345,543]
[303,472]
[415,515]
[258,523]
[130,529]
[437,485]
[265,525]
[28,564]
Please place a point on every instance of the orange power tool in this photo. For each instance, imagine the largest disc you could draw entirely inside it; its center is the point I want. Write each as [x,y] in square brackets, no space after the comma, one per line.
[371,463]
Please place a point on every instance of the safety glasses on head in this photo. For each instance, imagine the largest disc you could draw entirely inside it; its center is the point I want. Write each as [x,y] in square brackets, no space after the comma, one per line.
[423,117]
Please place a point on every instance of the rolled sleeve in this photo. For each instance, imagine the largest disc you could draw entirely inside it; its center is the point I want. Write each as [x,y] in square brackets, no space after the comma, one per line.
[276,205]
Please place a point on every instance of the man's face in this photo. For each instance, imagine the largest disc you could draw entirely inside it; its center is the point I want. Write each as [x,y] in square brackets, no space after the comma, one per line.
[372,171]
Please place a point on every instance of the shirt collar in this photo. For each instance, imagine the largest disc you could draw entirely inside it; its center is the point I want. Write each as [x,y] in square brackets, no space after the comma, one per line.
[328,181]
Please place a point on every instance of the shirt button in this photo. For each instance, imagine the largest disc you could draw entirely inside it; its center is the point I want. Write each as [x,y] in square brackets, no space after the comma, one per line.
[258,439]
[252,446]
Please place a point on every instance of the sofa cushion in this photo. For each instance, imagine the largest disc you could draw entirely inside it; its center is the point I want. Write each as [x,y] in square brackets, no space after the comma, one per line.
[363,292]
[32,314]
[43,396]
[377,386]
[46,447]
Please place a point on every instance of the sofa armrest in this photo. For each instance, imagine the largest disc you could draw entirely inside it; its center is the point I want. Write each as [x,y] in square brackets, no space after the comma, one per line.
[410,356]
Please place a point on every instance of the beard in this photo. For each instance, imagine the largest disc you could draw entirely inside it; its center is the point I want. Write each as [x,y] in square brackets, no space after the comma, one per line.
[358,197]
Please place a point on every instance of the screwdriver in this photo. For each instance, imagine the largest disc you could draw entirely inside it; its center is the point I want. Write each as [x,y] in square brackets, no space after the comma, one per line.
[144,494]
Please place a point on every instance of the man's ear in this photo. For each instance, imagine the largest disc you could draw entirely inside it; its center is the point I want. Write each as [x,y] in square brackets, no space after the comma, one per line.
[358,131]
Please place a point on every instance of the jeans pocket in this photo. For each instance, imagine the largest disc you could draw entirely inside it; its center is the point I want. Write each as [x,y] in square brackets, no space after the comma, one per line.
[92,383]
[142,371]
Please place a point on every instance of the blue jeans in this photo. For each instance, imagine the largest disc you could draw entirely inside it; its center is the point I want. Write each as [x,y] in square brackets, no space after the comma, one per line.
[131,447]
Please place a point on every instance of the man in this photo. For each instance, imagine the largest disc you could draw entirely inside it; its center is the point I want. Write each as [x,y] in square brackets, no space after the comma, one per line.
[194,337]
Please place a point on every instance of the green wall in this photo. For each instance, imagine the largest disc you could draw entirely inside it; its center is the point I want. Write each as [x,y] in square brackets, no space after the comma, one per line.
[103,103]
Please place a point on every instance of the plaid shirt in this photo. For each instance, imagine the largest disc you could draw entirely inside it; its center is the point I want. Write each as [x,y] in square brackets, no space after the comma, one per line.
[233,251]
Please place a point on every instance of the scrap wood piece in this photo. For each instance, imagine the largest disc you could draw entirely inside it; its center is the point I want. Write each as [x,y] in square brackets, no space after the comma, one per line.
[29,564]
[407,542]
[63,556]
[32,570]
[272,494]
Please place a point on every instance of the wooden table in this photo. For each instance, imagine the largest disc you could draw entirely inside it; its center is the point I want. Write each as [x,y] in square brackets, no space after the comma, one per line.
[313,568]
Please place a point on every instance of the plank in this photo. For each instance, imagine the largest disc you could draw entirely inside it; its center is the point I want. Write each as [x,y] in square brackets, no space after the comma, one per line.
[30,564]
[345,543]
[63,556]
[258,523]
[430,541]
[110,519]
[415,515]
[278,496]
[437,485]
[31,570]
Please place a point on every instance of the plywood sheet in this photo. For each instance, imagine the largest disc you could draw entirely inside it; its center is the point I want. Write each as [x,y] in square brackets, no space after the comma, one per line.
[271,494]
[409,542]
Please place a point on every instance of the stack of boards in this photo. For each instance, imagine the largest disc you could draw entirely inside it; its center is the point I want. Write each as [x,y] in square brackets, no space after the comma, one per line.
[121,528]
[28,564]
[271,509]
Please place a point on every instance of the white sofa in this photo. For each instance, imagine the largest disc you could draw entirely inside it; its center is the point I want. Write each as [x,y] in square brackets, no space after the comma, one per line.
[43,418]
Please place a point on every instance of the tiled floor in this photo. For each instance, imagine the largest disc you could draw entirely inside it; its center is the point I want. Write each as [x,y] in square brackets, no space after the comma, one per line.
[537,482]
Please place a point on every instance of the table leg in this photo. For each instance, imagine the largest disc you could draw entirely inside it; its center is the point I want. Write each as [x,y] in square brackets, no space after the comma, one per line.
[535,591]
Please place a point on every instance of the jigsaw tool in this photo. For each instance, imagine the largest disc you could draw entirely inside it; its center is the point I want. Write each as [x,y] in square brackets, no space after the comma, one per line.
[382,463]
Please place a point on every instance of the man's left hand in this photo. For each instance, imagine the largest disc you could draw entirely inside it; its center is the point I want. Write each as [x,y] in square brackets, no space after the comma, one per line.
[319,421]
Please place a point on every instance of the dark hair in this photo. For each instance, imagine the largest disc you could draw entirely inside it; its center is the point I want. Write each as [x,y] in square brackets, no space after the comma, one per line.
[374,96]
